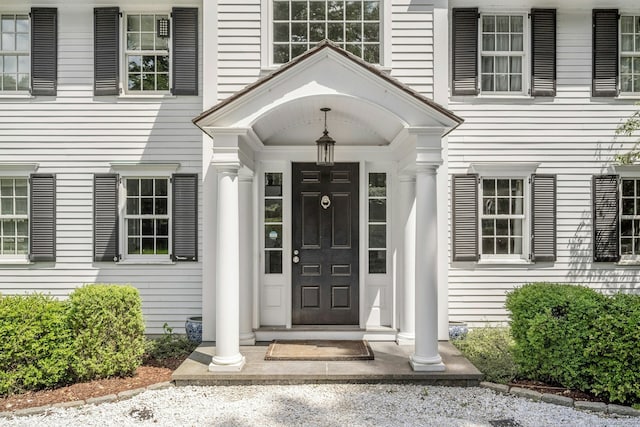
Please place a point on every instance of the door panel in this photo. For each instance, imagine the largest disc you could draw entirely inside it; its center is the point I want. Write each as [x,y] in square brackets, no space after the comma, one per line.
[325,234]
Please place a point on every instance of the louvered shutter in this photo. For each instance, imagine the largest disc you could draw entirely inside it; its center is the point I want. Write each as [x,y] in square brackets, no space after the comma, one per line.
[605,218]
[543,52]
[106,41]
[465,217]
[543,217]
[185,51]
[185,217]
[44,51]
[105,217]
[465,51]
[42,219]
[605,52]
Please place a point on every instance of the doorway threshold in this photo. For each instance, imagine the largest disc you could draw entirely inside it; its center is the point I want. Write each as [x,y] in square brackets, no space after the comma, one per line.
[325,332]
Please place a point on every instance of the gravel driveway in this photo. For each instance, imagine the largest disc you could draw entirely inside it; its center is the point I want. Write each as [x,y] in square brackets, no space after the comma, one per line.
[321,405]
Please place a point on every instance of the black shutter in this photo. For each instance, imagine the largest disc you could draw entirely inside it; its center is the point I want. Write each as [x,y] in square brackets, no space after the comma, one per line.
[105,217]
[44,51]
[605,52]
[185,51]
[465,217]
[605,218]
[543,52]
[42,220]
[465,52]
[543,218]
[106,50]
[185,217]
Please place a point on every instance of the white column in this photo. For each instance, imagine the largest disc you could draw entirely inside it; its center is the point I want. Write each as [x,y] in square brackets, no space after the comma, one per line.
[227,357]
[247,337]
[407,296]
[426,357]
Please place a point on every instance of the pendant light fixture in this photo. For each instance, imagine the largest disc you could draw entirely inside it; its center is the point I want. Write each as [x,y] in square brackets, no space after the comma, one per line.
[325,144]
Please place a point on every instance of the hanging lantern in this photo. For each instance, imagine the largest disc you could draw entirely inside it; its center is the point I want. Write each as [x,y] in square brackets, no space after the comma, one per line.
[325,144]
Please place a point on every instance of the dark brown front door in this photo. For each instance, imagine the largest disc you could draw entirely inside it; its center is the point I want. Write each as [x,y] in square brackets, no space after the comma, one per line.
[325,244]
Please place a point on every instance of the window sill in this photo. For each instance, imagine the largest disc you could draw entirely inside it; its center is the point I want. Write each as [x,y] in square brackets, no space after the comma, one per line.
[628,97]
[15,262]
[628,262]
[494,262]
[147,96]
[16,96]
[145,262]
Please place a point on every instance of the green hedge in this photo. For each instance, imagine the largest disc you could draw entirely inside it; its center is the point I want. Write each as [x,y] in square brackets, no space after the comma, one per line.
[109,331]
[578,338]
[35,343]
[489,349]
[44,342]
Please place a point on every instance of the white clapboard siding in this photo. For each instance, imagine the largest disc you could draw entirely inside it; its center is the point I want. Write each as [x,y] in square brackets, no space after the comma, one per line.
[75,135]
[571,135]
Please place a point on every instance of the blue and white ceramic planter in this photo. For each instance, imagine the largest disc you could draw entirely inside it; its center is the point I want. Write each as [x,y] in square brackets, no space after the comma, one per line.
[457,330]
[193,327]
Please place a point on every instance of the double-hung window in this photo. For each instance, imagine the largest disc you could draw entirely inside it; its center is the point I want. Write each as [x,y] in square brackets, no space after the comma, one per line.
[630,54]
[355,25]
[504,213]
[145,217]
[15,69]
[14,217]
[502,54]
[147,53]
[495,53]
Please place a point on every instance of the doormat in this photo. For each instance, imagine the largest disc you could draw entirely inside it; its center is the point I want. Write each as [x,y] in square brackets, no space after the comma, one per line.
[327,350]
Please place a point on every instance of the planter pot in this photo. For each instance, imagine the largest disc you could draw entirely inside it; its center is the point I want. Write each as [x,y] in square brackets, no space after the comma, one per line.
[457,330]
[193,326]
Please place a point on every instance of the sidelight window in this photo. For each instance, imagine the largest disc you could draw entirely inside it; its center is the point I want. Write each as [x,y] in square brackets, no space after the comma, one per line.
[377,223]
[273,223]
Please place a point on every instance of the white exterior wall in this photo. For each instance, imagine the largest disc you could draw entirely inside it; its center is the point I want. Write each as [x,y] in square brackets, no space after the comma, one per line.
[571,135]
[75,135]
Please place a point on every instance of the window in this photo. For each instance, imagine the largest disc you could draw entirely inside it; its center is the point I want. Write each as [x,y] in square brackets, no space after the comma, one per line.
[630,217]
[377,222]
[630,54]
[491,53]
[14,217]
[273,223]
[147,67]
[502,216]
[14,53]
[146,54]
[502,53]
[498,216]
[147,216]
[299,25]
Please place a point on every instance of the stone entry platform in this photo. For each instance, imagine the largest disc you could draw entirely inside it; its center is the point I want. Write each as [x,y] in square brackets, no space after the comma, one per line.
[391,365]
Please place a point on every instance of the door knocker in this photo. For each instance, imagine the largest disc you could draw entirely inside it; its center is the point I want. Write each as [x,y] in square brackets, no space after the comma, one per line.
[325,202]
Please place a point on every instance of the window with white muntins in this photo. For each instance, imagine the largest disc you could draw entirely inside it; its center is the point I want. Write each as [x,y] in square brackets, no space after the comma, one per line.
[146,218]
[502,54]
[15,67]
[630,217]
[14,217]
[147,53]
[630,54]
[300,25]
[502,217]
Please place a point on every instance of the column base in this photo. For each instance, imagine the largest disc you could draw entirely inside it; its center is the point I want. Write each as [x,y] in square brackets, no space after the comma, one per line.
[227,364]
[426,364]
[406,338]
[248,339]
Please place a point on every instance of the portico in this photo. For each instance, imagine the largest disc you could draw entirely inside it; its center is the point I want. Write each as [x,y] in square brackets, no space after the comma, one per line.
[390,137]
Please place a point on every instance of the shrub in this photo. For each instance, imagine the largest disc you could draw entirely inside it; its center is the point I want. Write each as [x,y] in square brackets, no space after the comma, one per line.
[109,331]
[168,346]
[579,338]
[35,343]
[551,324]
[489,350]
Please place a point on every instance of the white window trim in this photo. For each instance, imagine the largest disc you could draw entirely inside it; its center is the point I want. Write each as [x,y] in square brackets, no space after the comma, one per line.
[16,258]
[20,93]
[625,172]
[124,81]
[266,37]
[18,170]
[521,170]
[142,170]
[621,94]
[526,55]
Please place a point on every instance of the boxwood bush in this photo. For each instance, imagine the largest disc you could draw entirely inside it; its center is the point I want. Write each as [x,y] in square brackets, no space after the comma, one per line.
[578,338]
[35,343]
[109,331]
[489,349]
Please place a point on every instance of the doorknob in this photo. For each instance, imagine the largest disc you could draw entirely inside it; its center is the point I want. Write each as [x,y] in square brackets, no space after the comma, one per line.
[296,259]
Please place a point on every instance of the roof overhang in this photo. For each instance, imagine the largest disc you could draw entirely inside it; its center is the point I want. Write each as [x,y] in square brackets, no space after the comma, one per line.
[368,107]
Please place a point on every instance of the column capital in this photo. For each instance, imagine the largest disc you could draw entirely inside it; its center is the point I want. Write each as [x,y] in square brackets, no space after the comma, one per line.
[427,168]
[227,168]
[407,177]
